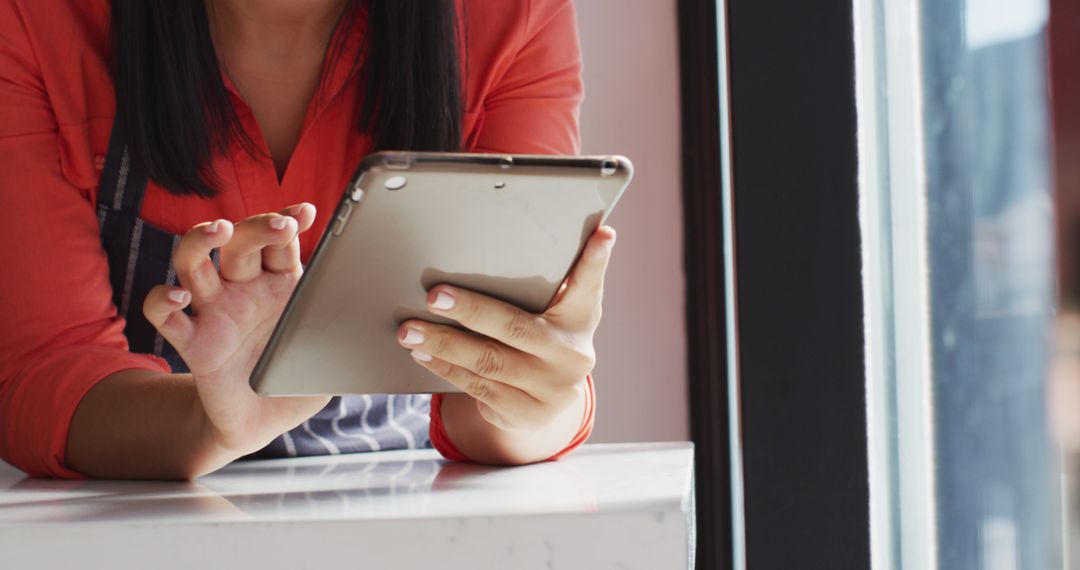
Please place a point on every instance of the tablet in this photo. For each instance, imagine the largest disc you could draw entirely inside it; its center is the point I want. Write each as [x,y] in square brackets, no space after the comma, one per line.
[508,226]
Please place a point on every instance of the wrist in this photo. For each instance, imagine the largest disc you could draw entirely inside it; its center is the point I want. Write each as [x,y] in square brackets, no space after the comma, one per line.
[234,421]
[220,426]
[479,440]
[214,450]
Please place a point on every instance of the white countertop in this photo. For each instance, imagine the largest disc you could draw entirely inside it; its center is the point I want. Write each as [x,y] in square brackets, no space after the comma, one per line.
[604,506]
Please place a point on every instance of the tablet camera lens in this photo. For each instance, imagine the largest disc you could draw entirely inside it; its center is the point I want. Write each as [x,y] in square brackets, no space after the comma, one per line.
[608,167]
[395,183]
[500,185]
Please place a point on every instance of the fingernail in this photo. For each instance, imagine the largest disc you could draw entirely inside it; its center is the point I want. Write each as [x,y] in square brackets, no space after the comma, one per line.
[213,227]
[279,222]
[178,296]
[443,301]
[421,356]
[412,336]
[297,210]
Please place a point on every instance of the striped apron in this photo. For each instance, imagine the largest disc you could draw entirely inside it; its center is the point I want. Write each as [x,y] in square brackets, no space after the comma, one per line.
[140,257]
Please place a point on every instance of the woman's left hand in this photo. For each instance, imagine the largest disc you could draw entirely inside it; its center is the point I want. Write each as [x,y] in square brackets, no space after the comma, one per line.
[523,369]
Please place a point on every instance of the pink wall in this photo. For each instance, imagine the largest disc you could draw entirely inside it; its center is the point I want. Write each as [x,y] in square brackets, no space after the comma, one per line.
[632,108]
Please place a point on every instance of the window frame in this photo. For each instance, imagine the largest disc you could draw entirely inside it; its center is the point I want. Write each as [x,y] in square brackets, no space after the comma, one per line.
[779,420]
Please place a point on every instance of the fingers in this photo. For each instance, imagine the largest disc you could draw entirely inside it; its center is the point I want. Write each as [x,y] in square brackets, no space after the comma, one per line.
[242,248]
[191,260]
[266,241]
[580,303]
[492,318]
[576,308]
[502,405]
[285,259]
[551,381]
[164,308]
[483,356]
[242,256]
[303,213]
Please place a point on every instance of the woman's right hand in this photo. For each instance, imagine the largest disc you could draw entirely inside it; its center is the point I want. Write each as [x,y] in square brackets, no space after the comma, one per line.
[234,311]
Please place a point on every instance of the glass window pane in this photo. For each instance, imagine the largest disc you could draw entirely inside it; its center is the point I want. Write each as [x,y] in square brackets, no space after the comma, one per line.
[990,224]
[958,225]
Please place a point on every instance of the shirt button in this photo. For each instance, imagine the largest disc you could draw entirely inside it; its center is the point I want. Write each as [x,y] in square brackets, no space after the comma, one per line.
[99,162]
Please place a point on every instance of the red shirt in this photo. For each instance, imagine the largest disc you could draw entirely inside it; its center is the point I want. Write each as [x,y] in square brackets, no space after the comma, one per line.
[59,331]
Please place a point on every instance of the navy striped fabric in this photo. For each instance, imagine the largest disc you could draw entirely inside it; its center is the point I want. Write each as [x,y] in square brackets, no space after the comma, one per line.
[140,257]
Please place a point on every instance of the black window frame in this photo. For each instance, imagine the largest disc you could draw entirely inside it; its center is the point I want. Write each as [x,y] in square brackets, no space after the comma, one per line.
[801,376]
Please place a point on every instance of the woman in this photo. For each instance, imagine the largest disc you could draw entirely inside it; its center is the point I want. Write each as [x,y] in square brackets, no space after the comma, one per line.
[158,202]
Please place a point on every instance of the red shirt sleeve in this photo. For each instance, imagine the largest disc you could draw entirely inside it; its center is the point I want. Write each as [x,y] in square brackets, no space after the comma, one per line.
[533,88]
[532,107]
[59,333]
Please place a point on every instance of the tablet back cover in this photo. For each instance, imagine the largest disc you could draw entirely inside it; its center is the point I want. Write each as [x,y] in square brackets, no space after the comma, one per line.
[506,226]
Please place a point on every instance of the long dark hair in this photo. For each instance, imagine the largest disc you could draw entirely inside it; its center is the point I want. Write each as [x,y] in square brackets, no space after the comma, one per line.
[174,111]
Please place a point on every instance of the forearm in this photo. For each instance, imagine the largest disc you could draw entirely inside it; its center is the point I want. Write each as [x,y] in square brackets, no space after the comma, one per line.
[139,424]
[483,442]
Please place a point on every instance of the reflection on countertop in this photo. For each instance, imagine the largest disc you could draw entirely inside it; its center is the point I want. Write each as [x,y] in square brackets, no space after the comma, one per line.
[604,506]
[395,484]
